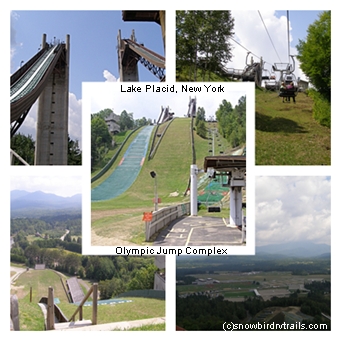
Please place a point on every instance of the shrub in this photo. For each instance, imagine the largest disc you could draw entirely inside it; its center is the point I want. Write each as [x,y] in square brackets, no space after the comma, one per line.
[321,108]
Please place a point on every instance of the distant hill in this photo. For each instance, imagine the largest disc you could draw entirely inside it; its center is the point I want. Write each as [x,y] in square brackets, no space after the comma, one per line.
[31,204]
[295,249]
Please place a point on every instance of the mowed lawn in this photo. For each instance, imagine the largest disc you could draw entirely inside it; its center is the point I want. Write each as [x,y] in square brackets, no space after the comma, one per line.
[287,134]
[31,317]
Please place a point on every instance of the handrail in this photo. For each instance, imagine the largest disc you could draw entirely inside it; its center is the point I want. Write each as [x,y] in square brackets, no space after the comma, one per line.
[153,151]
[79,309]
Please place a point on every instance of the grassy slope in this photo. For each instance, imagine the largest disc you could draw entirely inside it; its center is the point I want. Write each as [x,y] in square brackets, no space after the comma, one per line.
[172,165]
[31,317]
[287,134]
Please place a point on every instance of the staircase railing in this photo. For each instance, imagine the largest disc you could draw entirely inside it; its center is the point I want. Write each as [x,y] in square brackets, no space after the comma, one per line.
[50,318]
[94,291]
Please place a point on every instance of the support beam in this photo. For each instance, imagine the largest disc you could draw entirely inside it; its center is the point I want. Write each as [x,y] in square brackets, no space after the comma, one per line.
[127,62]
[50,310]
[194,190]
[235,167]
[52,120]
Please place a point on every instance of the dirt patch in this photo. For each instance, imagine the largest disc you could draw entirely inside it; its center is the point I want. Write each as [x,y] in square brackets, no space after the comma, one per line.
[129,226]
[20,292]
[95,215]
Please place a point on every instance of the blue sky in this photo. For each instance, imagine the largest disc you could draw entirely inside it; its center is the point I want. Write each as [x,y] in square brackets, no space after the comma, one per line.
[93,40]
[93,54]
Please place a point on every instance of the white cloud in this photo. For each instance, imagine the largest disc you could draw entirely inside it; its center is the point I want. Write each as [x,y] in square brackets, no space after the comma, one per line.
[56,183]
[109,76]
[75,118]
[292,209]
[270,43]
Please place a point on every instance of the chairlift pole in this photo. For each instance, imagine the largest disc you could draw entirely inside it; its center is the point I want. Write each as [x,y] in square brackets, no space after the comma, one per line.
[194,190]
[288,37]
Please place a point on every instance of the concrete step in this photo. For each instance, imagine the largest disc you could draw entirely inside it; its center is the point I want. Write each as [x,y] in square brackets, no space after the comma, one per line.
[71,325]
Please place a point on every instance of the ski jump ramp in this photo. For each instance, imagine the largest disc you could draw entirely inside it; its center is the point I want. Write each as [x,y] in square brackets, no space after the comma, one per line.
[128,169]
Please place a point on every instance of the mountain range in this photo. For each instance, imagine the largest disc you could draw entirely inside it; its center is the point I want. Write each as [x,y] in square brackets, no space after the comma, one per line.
[295,249]
[28,204]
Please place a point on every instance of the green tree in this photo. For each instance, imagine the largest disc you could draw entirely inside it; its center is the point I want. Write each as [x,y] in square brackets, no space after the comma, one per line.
[74,156]
[200,115]
[104,113]
[126,121]
[202,40]
[24,146]
[143,279]
[140,122]
[315,54]
[32,253]
[201,129]
[187,42]
[232,122]
[100,139]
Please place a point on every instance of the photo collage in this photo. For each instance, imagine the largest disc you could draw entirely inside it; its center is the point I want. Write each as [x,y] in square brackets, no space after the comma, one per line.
[141,223]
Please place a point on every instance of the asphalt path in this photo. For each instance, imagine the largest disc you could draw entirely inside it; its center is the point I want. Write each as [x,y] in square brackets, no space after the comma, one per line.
[18,271]
[199,231]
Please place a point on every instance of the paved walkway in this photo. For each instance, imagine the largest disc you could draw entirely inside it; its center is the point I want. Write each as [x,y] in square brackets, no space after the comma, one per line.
[199,231]
[124,325]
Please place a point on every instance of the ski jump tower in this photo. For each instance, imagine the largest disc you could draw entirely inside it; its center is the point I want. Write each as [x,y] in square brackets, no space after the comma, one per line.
[44,76]
[53,108]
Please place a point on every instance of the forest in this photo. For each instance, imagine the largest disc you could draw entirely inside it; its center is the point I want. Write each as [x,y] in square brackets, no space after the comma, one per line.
[200,312]
[32,239]
[232,122]
[256,263]
[54,225]
[25,147]
[209,308]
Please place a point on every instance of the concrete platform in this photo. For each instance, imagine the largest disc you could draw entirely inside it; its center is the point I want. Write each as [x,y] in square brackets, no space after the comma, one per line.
[199,231]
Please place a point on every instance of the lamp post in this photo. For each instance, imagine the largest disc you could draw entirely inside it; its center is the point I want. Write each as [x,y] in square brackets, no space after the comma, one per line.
[156,199]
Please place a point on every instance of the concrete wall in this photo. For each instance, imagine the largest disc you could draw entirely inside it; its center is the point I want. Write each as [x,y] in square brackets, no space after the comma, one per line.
[159,282]
[163,217]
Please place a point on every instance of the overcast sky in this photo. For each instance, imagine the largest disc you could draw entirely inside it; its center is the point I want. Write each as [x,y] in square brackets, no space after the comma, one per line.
[293,208]
[56,182]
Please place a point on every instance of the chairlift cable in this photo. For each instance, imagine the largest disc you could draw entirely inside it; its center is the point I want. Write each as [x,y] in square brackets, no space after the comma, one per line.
[244,48]
[269,36]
